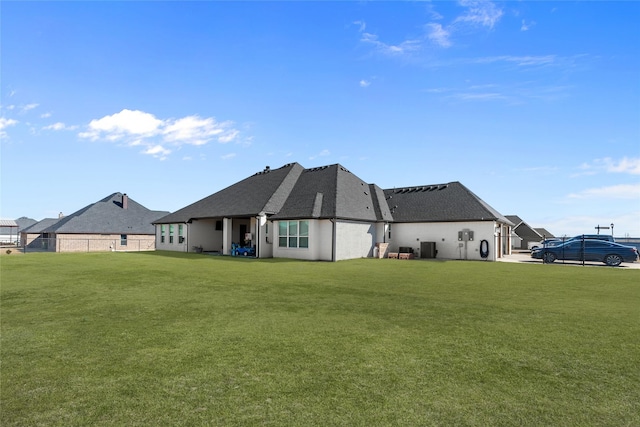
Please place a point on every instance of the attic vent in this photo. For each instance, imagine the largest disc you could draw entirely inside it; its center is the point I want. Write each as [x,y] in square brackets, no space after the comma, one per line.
[442,187]
[366,193]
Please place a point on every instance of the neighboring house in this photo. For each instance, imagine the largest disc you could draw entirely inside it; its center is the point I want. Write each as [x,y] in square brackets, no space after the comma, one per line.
[8,231]
[327,213]
[35,237]
[115,223]
[523,234]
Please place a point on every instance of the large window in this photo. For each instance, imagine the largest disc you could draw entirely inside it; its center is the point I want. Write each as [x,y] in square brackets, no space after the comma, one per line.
[293,234]
[170,233]
[162,233]
[123,240]
[180,234]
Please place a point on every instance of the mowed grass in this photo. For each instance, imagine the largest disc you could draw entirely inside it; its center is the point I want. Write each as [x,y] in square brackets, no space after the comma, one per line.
[158,338]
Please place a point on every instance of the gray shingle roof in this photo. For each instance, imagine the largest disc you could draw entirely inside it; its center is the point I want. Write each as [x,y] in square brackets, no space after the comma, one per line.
[40,226]
[108,216]
[439,203]
[332,192]
[544,233]
[515,219]
[292,192]
[264,191]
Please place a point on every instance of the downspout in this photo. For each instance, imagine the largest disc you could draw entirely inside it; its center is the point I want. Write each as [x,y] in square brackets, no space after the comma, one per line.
[186,238]
[257,237]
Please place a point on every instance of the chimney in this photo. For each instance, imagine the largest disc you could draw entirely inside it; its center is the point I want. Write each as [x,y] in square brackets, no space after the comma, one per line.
[125,201]
[267,169]
[60,215]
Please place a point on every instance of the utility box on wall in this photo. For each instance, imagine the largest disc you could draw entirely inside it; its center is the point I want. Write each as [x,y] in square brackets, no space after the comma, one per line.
[465,235]
[428,250]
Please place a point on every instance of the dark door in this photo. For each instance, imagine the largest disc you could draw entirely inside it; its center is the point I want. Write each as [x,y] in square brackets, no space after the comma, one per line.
[243,231]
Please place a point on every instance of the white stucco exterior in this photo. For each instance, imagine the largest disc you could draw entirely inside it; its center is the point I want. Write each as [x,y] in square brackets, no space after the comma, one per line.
[445,235]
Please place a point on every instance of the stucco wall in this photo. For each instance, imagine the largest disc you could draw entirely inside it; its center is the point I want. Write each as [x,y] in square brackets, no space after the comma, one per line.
[354,240]
[445,235]
[320,241]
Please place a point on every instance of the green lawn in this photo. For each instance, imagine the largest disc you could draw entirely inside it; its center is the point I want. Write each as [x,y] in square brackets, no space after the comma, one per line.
[167,339]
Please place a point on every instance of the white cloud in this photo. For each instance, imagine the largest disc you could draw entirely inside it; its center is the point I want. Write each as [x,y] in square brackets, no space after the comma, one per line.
[364,83]
[157,151]
[5,123]
[621,191]
[55,126]
[521,61]
[361,25]
[228,156]
[625,165]
[192,130]
[438,35]
[134,127]
[126,122]
[28,107]
[525,26]
[480,12]
[391,49]
[45,115]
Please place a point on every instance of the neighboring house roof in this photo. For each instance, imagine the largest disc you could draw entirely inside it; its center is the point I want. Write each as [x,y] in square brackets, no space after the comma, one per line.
[333,192]
[40,226]
[439,203]
[115,214]
[515,219]
[24,222]
[263,192]
[8,223]
[524,230]
[544,233]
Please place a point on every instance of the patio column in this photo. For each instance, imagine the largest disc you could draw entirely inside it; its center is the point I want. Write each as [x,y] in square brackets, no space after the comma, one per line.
[227,233]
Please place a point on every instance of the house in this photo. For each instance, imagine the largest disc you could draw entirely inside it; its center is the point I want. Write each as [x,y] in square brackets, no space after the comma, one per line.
[328,213]
[115,223]
[523,234]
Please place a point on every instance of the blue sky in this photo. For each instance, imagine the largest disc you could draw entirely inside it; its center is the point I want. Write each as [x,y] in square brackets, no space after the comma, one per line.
[534,106]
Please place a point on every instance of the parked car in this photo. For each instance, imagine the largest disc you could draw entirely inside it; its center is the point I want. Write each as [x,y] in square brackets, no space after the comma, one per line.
[557,240]
[610,253]
[543,243]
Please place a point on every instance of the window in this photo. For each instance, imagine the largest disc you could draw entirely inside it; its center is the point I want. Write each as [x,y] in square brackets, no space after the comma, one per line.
[162,233]
[171,233]
[293,234]
[180,234]
[123,240]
